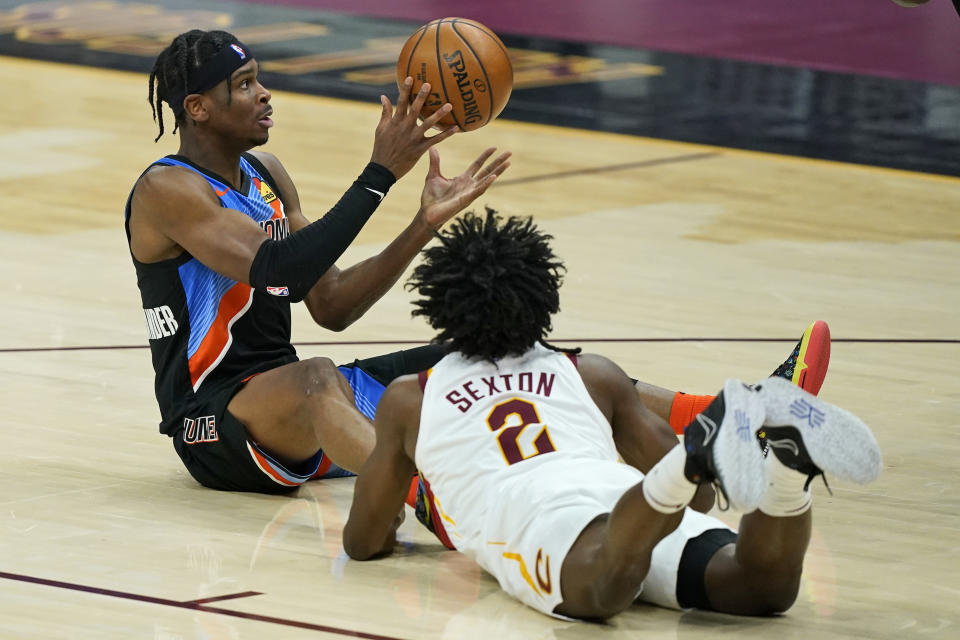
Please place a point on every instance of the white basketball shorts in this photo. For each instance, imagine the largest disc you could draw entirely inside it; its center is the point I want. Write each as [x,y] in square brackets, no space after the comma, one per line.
[534,519]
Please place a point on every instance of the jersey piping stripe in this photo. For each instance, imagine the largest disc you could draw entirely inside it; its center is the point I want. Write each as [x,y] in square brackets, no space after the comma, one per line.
[363,404]
[219,188]
[218,338]
[325,464]
[366,390]
[251,203]
[422,378]
[273,470]
[438,528]
[204,290]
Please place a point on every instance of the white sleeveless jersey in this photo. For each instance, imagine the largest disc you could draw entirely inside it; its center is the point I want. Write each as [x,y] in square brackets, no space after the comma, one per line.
[484,426]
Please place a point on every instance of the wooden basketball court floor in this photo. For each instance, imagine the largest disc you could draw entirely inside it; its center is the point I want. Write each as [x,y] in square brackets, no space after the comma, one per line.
[669,247]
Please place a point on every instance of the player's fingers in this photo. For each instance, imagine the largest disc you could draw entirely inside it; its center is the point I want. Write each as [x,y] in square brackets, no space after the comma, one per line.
[476,164]
[496,165]
[420,100]
[386,111]
[430,121]
[488,180]
[501,168]
[479,189]
[403,98]
[434,170]
[440,137]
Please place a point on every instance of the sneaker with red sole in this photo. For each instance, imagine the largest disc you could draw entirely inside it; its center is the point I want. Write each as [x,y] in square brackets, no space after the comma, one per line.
[806,367]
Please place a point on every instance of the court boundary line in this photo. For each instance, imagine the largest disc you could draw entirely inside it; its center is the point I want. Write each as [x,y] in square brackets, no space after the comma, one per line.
[193,605]
[229,596]
[352,343]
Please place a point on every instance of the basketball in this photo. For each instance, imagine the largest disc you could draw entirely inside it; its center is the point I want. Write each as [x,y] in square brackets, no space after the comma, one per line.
[466,65]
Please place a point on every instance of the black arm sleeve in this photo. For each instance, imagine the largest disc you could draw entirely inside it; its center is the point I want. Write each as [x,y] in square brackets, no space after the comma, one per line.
[290,267]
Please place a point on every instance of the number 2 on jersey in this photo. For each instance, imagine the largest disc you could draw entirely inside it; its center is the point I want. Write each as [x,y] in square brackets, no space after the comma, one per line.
[508,438]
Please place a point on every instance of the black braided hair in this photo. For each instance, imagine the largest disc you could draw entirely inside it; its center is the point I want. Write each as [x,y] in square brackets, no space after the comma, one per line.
[490,287]
[189,49]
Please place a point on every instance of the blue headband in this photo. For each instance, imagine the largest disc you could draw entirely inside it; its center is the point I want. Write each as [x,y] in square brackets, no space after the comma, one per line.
[211,73]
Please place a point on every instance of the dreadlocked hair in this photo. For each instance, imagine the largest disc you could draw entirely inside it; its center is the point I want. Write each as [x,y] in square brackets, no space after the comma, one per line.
[188,50]
[490,287]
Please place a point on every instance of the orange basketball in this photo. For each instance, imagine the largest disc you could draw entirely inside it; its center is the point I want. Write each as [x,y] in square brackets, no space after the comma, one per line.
[465,64]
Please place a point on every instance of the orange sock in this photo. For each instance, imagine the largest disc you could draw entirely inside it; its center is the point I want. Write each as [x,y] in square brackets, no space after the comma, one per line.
[684,408]
[412,492]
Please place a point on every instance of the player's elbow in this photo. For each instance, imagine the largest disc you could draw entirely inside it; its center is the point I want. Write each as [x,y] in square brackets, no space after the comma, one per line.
[330,317]
[355,545]
[336,325]
[359,548]
[357,551]
[360,544]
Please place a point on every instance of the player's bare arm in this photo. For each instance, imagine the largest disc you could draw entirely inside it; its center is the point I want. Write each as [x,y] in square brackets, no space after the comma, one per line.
[383,481]
[340,297]
[642,437]
[174,210]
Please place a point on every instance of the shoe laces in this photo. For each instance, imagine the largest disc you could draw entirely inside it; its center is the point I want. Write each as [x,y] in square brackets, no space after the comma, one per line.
[765,446]
[723,502]
[806,485]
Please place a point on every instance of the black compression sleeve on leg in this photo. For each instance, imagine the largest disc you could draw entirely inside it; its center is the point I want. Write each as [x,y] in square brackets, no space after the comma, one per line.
[291,266]
[691,588]
[384,369]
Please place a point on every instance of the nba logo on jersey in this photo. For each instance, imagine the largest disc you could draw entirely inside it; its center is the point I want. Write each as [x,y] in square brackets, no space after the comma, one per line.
[278,291]
[239,51]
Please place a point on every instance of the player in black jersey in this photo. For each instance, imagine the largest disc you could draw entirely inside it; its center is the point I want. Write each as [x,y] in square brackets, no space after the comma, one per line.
[221,248]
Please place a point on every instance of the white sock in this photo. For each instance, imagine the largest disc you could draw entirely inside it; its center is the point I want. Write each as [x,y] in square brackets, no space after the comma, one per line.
[785,495]
[666,489]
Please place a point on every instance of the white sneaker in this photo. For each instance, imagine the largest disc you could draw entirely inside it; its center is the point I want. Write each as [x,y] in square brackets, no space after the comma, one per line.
[814,437]
[721,446]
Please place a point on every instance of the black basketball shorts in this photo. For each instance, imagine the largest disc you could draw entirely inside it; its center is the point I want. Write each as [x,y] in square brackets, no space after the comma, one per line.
[219,453]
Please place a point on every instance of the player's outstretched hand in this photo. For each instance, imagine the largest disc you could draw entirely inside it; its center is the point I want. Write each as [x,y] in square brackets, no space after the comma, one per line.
[444,198]
[401,138]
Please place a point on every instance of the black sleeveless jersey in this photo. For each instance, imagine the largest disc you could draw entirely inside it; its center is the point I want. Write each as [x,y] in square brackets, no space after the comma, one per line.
[207,331]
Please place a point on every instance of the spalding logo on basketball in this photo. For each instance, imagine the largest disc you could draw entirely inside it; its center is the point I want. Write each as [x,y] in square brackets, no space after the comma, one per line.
[466,65]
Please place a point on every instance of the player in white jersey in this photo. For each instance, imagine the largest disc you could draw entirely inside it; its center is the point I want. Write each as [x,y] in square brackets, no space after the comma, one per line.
[534,459]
